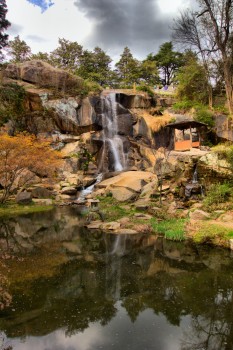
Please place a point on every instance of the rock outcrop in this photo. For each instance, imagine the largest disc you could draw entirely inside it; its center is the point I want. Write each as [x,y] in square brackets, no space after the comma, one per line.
[128,185]
[43,75]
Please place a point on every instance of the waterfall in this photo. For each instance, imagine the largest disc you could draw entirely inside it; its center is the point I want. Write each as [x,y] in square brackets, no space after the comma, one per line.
[194,187]
[195,180]
[112,142]
[89,189]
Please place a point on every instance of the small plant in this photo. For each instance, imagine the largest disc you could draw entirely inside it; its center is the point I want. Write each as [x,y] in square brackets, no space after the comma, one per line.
[217,193]
[145,88]
[12,103]
[182,106]
[85,157]
[212,233]
[90,88]
[203,115]
[173,229]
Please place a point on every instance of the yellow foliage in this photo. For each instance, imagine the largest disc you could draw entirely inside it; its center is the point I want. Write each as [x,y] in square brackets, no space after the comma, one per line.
[24,152]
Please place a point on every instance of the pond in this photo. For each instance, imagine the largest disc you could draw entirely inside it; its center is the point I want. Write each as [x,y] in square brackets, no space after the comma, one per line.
[74,289]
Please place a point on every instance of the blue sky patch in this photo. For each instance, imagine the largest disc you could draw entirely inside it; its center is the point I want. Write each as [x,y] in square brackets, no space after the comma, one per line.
[43,4]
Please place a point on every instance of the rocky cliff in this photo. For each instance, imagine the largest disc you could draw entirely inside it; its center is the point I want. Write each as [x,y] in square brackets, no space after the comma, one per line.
[96,132]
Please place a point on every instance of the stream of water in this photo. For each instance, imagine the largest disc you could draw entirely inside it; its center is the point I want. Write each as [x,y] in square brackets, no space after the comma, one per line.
[75,289]
[112,142]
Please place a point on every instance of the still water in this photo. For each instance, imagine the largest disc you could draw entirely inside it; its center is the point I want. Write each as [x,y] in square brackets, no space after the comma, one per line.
[111,292]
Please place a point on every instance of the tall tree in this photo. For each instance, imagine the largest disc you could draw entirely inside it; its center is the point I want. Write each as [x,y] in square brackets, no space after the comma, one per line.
[168,62]
[210,30]
[18,50]
[43,56]
[128,68]
[193,81]
[67,55]
[95,66]
[149,72]
[4,24]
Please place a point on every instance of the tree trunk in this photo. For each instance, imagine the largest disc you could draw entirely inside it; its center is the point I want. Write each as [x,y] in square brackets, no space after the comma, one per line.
[228,82]
[228,87]
[210,90]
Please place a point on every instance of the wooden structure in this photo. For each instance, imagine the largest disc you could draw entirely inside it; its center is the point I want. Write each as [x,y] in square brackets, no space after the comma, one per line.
[187,140]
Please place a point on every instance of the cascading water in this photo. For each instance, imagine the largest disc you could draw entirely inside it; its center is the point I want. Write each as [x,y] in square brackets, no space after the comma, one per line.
[86,191]
[194,187]
[112,142]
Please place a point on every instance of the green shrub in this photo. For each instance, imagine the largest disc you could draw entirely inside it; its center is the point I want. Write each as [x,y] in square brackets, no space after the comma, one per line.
[12,102]
[217,193]
[145,88]
[173,229]
[91,87]
[182,106]
[225,151]
[203,115]
[209,233]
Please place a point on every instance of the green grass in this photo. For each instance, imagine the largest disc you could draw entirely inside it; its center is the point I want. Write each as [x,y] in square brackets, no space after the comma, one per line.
[212,233]
[11,210]
[173,229]
[112,210]
[217,194]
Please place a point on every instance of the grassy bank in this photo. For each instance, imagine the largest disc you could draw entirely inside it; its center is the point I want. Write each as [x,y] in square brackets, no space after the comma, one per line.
[12,209]
[212,231]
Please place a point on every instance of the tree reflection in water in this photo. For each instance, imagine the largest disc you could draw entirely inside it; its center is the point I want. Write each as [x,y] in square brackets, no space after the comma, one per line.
[189,287]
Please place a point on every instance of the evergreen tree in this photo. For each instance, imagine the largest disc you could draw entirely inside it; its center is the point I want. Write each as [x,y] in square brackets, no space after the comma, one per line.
[128,68]
[4,24]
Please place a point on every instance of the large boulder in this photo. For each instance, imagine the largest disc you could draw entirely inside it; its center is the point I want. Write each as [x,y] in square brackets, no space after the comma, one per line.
[134,100]
[24,197]
[197,215]
[128,185]
[41,192]
[43,74]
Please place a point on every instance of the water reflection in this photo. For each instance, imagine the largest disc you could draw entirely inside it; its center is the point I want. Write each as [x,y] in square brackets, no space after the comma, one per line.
[120,293]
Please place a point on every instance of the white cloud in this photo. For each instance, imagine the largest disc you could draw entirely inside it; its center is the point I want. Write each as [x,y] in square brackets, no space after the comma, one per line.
[62,20]
[172,6]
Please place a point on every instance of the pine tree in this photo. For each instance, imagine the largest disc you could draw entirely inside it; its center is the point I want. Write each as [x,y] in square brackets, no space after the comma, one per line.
[4,24]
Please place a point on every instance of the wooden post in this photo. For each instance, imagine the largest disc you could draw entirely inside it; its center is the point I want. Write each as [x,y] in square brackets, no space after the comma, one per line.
[191,137]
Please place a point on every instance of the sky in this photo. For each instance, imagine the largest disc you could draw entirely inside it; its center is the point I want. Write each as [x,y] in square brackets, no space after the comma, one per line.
[142,25]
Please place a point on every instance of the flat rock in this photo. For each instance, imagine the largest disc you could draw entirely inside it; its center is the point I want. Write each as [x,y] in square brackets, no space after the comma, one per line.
[142,207]
[113,225]
[94,225]
[127,231]
[123,194]
[43,201]
[143,216]
[69,190]
[199,215]
[129,179]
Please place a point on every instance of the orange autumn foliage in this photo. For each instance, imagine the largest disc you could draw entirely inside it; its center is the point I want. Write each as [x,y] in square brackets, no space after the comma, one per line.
[24,152]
